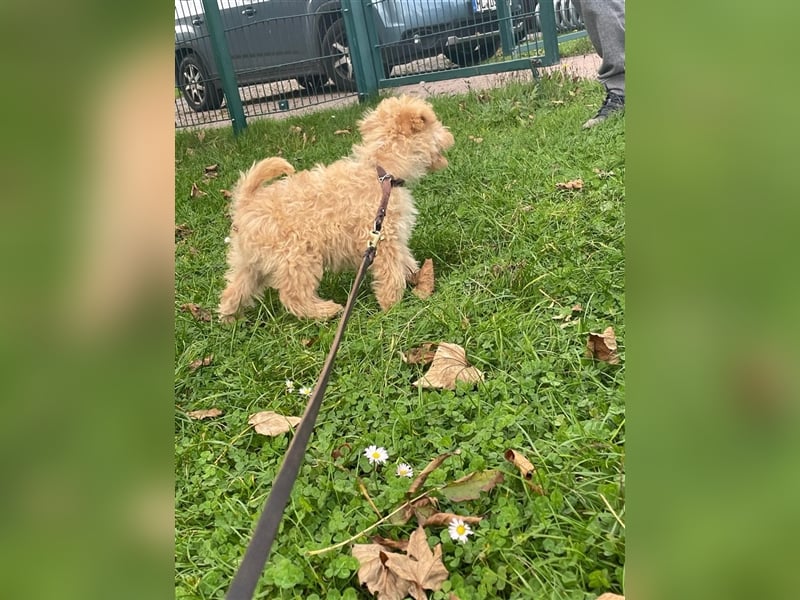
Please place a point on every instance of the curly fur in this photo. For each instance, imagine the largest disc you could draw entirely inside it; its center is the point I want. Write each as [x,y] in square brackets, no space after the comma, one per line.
[286,234]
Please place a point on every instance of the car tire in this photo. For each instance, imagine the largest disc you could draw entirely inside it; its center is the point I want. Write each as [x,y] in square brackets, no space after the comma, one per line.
[336,53]
[467,55]
[199,91]
[313,83]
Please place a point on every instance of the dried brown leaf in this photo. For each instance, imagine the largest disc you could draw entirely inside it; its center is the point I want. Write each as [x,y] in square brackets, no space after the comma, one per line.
[449,366]
[342,132]
[477,140]
[196,191]
[424,280]
[227,194]
[201,362]
[211,169]
[338,452]
[422,509]
[206,413]
[198,312]
[603,346]
[201,135]
[603,174]
[181,231]
[526,469]
[421,355]
[376,575]
[307,342]
[444,519]
[271,423]
[575,184]
[431,466]
[400,545]
[423,568]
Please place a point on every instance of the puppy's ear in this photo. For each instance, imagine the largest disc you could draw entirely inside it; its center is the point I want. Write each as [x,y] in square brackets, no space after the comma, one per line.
[413,120]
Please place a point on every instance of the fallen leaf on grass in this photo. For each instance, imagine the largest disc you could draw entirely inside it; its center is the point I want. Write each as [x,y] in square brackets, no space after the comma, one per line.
[444,520]
[181,231]
[341,132]
[471,486]
[422,509]
[271,423]
[433,465]
[338,452]
[394,576]
[603,346]
[201,362]
[227,194]
[206,413]
[196,191]
[575,184]
[477,140]
[211,171]
[424,280]
[201,135]
[198,312]
[373,572]
[526,469]
[449,366]
[421,355]
[400,545]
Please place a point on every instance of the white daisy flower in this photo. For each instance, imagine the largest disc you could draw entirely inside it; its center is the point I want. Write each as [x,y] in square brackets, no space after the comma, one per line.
[289,386]
[459,531]
[403,470]
[305,391]
[376,455]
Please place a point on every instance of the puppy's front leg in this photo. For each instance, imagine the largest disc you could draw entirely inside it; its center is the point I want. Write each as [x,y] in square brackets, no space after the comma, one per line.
[393,264]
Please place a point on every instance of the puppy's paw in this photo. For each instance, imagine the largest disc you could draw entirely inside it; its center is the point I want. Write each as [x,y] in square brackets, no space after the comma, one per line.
[228,319]
[319,311]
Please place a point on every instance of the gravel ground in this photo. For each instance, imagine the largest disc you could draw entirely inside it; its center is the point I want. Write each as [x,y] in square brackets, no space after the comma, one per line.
[262,101]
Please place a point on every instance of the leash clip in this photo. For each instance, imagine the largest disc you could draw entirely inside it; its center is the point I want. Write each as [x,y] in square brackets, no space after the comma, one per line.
[384,177]
[374,237]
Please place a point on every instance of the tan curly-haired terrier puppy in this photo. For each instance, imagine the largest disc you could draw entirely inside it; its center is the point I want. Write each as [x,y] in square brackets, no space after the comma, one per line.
[286,234]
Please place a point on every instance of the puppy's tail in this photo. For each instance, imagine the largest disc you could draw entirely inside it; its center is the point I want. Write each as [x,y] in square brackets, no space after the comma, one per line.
[262,171]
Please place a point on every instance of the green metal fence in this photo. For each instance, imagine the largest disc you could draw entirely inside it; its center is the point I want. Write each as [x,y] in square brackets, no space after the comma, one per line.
[236,59]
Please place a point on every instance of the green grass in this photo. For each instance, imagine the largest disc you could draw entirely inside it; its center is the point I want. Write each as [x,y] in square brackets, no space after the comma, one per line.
[576,47]
[511,252]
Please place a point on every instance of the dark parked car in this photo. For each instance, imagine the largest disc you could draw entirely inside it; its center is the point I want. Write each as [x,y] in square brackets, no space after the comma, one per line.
[271,40]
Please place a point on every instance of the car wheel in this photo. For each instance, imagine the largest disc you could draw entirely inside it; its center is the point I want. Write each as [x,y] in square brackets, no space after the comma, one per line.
[313,83]
[198,90]
[466,55]
[337,57]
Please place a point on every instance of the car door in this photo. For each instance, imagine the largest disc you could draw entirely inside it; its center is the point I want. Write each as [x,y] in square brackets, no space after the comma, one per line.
[274,32]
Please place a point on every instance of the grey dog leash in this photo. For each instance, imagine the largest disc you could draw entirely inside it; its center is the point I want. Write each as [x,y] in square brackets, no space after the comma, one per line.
[255,557]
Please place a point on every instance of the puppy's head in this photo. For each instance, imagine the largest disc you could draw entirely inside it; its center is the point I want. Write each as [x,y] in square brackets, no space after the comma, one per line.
[404,136]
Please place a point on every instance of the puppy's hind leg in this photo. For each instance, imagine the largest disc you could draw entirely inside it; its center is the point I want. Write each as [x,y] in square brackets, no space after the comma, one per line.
[244,283]
[297,282]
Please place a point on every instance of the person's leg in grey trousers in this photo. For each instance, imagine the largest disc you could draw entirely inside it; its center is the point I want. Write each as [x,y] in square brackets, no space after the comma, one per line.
[605,24]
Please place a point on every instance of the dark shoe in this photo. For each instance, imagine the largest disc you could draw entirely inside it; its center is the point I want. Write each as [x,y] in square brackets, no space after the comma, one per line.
[614,102]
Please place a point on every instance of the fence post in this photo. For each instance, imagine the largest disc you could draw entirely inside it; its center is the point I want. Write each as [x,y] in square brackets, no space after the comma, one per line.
[222,56]
[356,26]
[506,30]
[547,18]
